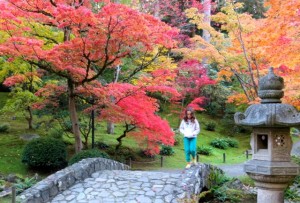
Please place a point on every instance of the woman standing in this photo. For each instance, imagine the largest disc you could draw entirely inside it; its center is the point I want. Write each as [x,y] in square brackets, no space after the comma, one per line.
[190,128]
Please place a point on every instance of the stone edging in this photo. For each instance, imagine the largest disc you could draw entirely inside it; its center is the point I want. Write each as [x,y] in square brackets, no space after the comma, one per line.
[193,180]
[49,187]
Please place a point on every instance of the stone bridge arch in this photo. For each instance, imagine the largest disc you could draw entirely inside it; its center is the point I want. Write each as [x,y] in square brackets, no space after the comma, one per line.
[97,180]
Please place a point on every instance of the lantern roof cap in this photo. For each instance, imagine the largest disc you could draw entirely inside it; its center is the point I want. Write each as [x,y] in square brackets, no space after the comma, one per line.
[270,88]
[271,112]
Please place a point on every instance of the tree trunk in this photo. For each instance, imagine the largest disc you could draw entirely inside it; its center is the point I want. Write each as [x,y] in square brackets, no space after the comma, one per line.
[240,38]
[119,139]
[74,117]
[110,126]
[110,129]
[157,9]
[206,34]
[30,118]
[72,103]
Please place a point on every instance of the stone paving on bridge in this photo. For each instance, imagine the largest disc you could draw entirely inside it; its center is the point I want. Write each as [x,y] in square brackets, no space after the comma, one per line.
[109,186]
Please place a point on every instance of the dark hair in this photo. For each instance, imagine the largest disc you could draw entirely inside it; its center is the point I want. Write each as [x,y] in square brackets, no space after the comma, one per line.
[190,109]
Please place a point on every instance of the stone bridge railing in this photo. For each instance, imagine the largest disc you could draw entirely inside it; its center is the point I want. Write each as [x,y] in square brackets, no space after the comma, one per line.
[48,188]
[194,180]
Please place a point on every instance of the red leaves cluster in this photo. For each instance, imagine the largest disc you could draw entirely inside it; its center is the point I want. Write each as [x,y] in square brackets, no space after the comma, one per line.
[93,42]
[192,77]
[134,107]
[101,38]
[13,80]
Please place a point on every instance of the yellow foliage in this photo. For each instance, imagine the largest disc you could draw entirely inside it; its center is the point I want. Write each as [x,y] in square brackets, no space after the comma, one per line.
[162,61]
[224,74]
[222,49]
[238,99]
[250,45]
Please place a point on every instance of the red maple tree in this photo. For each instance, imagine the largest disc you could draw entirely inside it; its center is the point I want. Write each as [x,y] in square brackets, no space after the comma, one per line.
[90,42]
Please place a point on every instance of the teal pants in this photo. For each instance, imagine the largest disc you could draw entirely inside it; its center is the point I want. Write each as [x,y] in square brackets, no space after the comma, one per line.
[190,147]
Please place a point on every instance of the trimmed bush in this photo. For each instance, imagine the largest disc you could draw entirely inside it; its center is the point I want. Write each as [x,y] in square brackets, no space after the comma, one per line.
[45,154]
[166,150]
[211,126]
[219,143]
[102,145]
[127,153]
[90,153]
[146,154]
[204,150]
[57,134]
[224,143]
[123,154]
[4,127]
[232,142]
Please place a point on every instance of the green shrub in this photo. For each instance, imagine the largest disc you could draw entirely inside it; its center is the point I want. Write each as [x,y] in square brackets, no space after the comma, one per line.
[166,150]
[295,132]
[296,159]
[216,178]
[124,154]
[232,142]
[219,143]
[22,185]
[291,193]
[101,145]
[211,126]
[146,154]
[90,153]
[220,188]
[224,194]
[54,133]
[45,154]
[204,150]
[4,127]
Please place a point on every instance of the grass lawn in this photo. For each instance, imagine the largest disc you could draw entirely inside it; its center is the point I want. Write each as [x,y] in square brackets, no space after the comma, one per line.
[11,145]
[233,155]
[176,161]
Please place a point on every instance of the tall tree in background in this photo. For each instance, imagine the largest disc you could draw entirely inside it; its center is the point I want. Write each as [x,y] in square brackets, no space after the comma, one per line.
[249,46]
[207,20]
[90,45]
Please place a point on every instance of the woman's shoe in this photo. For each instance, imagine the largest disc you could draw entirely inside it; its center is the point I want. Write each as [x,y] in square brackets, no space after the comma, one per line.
[188,166]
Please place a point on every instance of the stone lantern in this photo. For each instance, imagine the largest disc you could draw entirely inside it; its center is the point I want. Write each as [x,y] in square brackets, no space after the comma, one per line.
[271,167]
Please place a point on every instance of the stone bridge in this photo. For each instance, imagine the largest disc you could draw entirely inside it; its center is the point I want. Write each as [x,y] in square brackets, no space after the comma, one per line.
[100,180]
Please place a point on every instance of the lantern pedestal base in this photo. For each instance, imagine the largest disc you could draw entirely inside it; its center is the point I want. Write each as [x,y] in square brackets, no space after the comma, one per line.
[270,188]
[265,195]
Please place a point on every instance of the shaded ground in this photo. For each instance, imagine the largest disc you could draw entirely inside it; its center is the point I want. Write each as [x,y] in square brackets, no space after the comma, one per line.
[233,170]
[296,149]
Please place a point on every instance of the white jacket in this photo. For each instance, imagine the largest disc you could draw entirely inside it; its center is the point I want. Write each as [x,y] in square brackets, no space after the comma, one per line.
[189,129]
